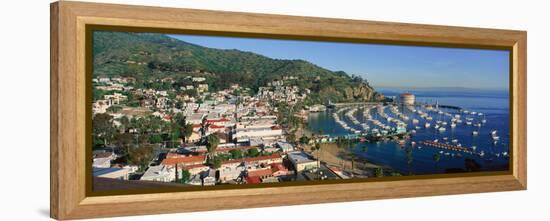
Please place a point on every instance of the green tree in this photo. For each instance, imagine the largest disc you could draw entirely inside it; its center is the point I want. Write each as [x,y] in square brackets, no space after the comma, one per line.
[103,128]
[187,131]
[215,162]
[155,139]
[317,148]
[124,123]
[185,176]
[252,152]
[212,142]
[236,154]
[291,137]
[304,139]
[379,172]
[140,156]
[175,133]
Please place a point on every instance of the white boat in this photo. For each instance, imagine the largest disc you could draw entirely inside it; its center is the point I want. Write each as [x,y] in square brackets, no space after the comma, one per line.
[436,126]
[468,123]
[474,133]
[453,125]
[442,129]
[494,132]
[474,148]
[496,137]
[454,141]
[445,138]
[483,121]
[415,121]
[417,127]
[444,123]
[427,125]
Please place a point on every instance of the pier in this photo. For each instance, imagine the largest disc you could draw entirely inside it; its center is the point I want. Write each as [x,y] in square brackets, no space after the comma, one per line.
[449,147]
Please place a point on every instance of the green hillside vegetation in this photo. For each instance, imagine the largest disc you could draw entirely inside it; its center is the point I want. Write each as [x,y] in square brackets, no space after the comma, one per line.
[148,57]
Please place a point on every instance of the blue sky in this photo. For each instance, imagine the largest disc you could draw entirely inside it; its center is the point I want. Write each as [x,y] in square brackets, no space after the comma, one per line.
[383,65]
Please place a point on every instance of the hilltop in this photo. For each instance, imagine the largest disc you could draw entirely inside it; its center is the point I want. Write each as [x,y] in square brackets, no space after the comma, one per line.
[146,56]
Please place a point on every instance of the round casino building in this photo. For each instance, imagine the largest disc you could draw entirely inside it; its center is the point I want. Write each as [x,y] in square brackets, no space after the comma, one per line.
[407,99]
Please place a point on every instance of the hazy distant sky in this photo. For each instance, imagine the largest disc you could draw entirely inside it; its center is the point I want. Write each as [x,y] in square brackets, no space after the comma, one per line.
[383,65]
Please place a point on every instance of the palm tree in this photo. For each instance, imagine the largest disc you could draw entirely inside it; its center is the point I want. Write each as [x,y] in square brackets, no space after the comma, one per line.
[212,142]
[318,149]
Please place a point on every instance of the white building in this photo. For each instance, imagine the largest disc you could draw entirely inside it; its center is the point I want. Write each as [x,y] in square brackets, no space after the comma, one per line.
[112,173]
[159,173]
[301,161]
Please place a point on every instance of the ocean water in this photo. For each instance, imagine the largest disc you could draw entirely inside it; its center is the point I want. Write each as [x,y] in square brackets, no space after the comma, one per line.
[419,159]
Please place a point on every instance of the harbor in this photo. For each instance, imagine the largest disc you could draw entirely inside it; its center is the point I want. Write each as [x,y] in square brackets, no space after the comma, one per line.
[391,134]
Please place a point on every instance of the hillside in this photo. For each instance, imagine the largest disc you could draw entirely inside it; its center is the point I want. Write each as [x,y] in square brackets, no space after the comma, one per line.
[155,56]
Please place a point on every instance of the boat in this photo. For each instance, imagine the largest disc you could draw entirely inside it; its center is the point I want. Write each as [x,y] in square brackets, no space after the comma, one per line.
[445,138]
[442,129]
[483,121]
[454,141]
[495,137]
[453,125]
[474,133]
[444,123]
[474,148]
[414,121]
[436,126]
[468,123]
[417,127]
[494,132]
[427,125]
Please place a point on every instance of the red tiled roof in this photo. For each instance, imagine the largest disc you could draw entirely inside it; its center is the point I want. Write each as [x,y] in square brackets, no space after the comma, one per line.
[278,167]
[194,166]
[260,173]
[252,159]
[253,180]
[215,126]
[183,160]
[174,155]
[217,121]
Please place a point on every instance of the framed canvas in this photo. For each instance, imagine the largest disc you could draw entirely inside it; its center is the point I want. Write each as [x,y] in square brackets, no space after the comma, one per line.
[163,110]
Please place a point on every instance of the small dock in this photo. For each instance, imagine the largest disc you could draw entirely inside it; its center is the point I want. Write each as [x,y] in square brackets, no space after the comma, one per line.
[445,146]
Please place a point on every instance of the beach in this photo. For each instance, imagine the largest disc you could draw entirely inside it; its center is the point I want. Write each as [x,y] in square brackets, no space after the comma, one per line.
[333,156]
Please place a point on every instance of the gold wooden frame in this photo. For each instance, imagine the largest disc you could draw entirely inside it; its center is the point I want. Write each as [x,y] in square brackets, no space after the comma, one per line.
[69,198]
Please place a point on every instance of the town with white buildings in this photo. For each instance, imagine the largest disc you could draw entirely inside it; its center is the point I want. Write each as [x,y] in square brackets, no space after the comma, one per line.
[191,135]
